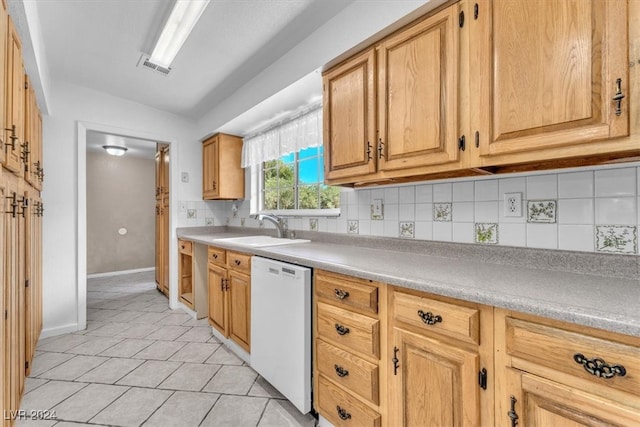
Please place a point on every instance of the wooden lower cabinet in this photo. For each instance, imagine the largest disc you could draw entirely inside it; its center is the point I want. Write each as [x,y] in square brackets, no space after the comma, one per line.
[347,341]
[240,308]
[229,281]
[435,384]
[446,362]
[551,373]
[185,274]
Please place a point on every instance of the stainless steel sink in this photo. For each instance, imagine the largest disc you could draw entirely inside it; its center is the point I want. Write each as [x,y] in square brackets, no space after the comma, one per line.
[261,241]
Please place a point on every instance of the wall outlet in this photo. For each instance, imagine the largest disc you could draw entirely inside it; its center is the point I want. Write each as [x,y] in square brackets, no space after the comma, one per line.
[512,204]
[184,176]
[377,209]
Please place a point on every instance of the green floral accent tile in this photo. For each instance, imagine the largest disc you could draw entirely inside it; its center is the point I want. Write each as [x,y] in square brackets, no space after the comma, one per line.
[192,213]
[487,233]
[619,239]
[209,221]
[407,230]
[352,227]
[442,212]
[542,211]
[313,224]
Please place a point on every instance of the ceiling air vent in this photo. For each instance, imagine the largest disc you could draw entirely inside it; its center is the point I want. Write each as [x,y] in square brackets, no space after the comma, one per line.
[144,62]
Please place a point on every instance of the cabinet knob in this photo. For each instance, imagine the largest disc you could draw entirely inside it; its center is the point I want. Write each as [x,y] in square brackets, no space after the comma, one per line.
[341,294]
[215,256]
[237,262]
[340,371]
[343,414]
[341,329]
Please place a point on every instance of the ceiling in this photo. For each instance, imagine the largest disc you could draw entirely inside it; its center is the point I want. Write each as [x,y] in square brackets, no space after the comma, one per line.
[141,148]
[98,43]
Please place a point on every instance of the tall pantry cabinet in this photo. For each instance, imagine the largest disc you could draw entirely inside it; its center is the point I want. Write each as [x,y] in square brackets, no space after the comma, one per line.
[162,218]
[21,211]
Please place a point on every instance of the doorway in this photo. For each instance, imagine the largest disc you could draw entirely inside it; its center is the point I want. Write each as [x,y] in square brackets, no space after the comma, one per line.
[85,133]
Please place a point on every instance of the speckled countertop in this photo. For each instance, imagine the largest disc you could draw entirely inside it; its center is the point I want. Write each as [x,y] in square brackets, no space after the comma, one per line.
[555,284]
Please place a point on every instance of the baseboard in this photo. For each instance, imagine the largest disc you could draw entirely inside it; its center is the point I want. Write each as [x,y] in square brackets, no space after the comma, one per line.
[60,330]
[118,273]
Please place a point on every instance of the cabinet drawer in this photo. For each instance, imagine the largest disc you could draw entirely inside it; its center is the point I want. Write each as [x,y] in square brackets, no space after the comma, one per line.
[353,373]
[572,353]
[216,256]
[342,409]
[351,330]
[185,247]
[347,293]
[239,261]
[456,321]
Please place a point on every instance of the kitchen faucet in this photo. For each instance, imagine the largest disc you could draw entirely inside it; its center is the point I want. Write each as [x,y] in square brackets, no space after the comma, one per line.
[275,220]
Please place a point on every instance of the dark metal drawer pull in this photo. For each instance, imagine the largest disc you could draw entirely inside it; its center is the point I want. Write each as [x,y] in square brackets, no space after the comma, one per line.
[215,256]
[237,262]
[599,367]
[340,371]
[344,415]
[429,318]
[512,412]
[341,294]
[341,330]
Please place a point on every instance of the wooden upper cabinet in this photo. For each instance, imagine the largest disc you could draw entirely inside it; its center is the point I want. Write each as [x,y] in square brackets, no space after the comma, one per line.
[222,176]
[349,118]
[418,94]
[546,74]
[14,114]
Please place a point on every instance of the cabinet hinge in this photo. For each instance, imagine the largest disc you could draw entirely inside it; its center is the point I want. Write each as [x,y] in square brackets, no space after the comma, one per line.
[477,139]
[482,378]
[26,365]
[26,283]
[26,85]
[6,315]
[462,143]
[475,11]
[461,18]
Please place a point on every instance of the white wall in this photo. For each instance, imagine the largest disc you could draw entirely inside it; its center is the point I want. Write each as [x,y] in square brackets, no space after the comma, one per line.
[353,26]
[71,104]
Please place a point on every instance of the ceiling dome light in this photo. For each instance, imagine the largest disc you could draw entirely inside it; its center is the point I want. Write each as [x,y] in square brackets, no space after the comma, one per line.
[115,150]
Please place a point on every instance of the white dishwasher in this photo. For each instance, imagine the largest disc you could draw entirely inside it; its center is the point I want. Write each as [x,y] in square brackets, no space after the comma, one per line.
[281,328]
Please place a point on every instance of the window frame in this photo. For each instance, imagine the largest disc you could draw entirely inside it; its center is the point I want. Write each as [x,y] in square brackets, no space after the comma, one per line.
[257,196]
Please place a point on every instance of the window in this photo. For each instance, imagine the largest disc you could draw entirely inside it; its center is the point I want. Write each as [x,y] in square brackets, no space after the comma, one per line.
[295,181]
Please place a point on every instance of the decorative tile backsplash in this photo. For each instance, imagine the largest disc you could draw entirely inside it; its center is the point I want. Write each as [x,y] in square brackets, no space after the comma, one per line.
[543,211]
[588,209]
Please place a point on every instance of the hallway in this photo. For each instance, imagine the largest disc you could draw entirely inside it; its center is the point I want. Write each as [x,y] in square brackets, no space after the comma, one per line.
[140,363]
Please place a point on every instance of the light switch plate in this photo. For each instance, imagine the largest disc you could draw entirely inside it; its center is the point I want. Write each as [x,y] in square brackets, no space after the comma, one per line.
[184,177]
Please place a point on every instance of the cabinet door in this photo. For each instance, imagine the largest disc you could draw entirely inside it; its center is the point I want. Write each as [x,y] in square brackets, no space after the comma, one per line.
[159,243]
[435,383]
[15,102]
[218,311]
[240,309]
[4,342]
[418,94]
[546,73]
[29,131]
[539,402]
[210,158]
[349,118]
[166,238]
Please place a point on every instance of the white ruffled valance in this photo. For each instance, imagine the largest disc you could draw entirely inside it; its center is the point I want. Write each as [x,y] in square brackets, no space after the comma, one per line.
[301,132]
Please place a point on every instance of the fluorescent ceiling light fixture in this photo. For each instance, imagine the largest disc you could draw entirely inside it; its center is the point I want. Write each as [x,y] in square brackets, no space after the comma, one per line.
[182,20]
[115,150]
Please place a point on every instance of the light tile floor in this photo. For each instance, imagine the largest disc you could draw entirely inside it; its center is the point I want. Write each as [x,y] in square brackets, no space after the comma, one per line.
[140,363]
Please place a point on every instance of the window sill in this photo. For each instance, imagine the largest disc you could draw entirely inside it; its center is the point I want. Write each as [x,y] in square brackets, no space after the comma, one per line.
[302,212]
